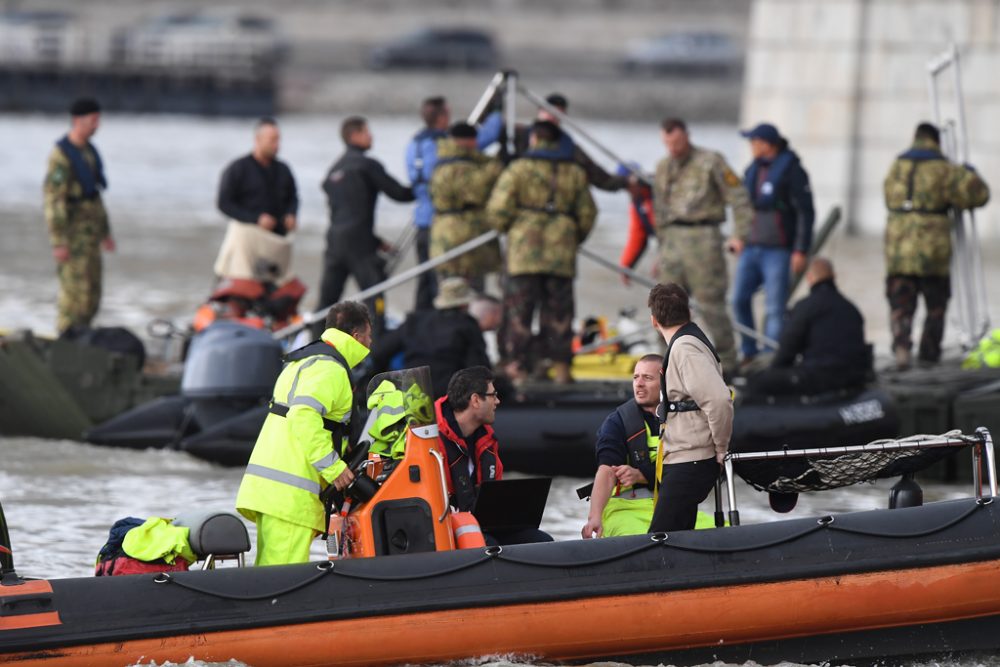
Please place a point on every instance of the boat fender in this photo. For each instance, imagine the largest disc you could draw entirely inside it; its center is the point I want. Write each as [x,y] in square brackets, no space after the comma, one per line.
[468,534]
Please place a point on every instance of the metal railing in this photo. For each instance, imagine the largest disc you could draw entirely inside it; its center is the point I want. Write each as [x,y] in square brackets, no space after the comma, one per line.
[981,443]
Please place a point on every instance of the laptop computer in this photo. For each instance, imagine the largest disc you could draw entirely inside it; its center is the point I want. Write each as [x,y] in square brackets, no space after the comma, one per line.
[511,504]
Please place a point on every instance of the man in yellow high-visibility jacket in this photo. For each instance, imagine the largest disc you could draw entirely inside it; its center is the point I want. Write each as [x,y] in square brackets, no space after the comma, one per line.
[301,446]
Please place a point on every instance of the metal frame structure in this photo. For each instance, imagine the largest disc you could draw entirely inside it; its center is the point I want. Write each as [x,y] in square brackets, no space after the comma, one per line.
[981,443]
[966,262]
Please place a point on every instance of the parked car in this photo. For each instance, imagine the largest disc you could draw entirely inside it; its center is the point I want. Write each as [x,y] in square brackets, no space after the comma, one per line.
[466,48]
[680,52]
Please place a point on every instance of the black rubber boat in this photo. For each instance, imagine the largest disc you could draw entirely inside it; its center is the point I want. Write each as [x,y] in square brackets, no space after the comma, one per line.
[860,587]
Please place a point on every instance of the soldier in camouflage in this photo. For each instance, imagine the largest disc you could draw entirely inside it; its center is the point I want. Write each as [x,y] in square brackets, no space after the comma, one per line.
[921,189]
[460,186]
[543,205]
[77,221]
[691,190]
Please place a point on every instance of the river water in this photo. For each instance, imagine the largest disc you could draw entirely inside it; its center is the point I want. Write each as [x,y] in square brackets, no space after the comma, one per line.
[61,497]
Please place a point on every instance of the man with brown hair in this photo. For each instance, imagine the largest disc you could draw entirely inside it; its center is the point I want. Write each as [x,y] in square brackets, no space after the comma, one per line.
[696,415]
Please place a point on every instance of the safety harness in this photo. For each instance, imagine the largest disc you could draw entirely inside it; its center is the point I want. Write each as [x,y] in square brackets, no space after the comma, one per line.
[338,429]
[550,207]
[666,407]
[918,156]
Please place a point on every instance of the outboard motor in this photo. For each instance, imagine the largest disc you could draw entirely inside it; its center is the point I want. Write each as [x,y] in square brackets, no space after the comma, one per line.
[230,368]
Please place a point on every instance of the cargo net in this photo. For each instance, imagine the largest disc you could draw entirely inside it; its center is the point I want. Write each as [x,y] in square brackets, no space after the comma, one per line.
[826,471]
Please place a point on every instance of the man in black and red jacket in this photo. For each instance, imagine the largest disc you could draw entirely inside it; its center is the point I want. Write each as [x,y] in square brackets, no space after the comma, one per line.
[464,418]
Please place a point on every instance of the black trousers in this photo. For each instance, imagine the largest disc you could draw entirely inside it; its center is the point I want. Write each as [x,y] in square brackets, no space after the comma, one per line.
[682,487]
[367,270]
[427,281]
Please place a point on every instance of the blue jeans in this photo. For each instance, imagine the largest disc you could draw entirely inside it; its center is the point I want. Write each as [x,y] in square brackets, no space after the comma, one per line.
[767,266]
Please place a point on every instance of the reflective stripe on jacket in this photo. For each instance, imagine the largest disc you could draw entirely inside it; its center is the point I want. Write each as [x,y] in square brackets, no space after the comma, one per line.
[294,457]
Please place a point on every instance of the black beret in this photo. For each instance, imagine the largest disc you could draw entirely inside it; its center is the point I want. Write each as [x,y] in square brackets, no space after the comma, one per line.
[462,131]
[84,106]
[557,100]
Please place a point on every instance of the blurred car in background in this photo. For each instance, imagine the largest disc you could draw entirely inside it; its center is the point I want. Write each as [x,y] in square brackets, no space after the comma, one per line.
[227,42]
[685,52]
[461,48]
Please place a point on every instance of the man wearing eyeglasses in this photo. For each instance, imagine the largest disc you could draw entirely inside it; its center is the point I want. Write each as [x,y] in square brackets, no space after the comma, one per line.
[464,417]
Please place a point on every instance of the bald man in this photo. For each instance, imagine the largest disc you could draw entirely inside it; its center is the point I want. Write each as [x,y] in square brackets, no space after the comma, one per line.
[822,345]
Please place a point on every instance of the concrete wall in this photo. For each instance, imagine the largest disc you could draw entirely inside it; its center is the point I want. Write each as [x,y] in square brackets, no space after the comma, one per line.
[846,81]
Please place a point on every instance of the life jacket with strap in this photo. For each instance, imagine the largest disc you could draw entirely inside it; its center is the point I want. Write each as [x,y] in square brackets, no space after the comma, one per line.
[339,430]
[90,179]
[418,159]
[764,196]
[555,157]
[642,445]
[666,407]
[917,156]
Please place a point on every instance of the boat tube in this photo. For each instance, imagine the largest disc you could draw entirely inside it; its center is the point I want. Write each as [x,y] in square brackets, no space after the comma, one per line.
[859,587]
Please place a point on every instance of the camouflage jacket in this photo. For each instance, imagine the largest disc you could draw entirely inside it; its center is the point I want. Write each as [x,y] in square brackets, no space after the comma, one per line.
[459,188]
[697,188]
[544,207]
[922,187]
[72,220]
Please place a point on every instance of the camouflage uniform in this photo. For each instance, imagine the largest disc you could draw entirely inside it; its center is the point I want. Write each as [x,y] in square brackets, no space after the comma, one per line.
[690,197]
[544,207]
[921,188]
[459,188]
[80,225]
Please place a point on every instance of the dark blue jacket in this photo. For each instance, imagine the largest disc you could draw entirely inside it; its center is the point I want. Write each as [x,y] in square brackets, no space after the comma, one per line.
[611,449]
[824,330]
[782,201]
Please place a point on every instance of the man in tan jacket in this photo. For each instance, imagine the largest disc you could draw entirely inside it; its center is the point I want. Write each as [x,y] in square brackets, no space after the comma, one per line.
[696,415]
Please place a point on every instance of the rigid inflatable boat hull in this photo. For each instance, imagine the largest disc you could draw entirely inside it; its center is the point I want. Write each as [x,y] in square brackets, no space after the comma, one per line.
[883,577]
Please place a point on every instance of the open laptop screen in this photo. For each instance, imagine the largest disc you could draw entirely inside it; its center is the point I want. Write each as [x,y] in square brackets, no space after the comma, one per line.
[510,504]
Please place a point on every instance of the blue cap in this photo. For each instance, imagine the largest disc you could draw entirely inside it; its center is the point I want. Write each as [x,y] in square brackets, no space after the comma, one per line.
[764,132]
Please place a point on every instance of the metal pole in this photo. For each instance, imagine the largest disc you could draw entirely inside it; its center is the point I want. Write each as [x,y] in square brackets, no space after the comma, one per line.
[720,516]
[646,282]
[991,462]
[484,102]
[402,244]
[566,120]
[734,514]
[510,109]
[388,284]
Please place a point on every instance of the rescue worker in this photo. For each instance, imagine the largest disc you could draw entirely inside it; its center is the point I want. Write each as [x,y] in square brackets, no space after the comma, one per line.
[302,445]
[822,345]
[460,186]
[445,338]
[621,500]
[543,205]
[464,418]
[352,186]
[421,158]
[921,188]
[691,190]
[697,418]
[780,233]
[76,218]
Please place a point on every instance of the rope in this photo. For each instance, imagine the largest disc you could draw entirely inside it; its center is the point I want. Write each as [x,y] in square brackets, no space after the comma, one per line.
[497,553]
